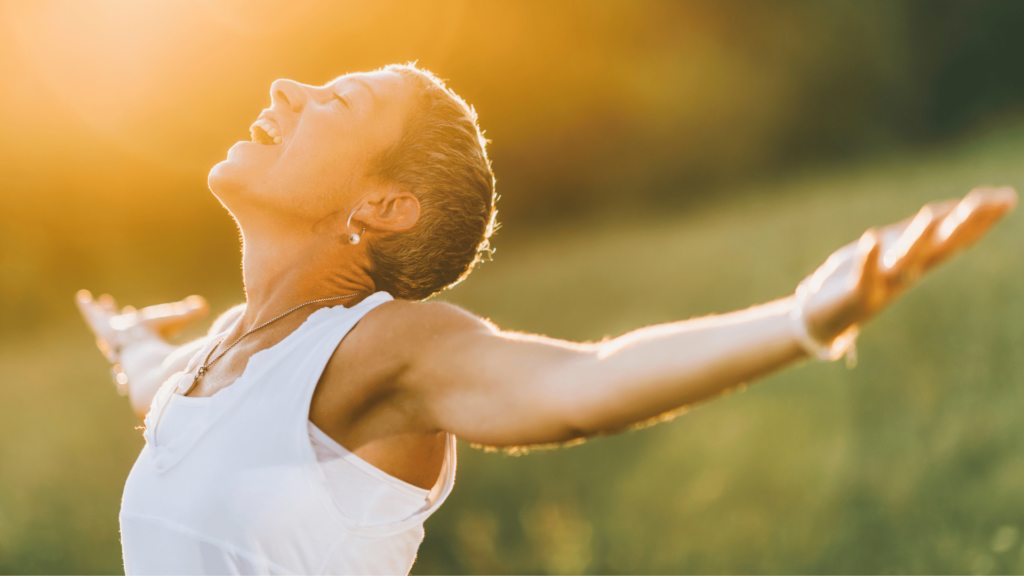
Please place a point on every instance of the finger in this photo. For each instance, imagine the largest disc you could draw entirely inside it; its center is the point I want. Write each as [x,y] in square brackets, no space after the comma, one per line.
[891,234]
[992,201]
[865,273]
[92,310]
[169,319]
[87,307]
[868,253]
[970,220]
[943,207]
[862,284]
[197,302]
[905,261]
[96,318]
[108,303]
[1003,195]
[83,298]
[921,223]
[193,307]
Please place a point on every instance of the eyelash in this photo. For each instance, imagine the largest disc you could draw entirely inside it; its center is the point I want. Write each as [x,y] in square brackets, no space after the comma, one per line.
[344,100]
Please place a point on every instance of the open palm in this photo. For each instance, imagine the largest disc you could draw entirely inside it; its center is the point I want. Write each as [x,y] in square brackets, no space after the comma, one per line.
[862,278]
[159,321]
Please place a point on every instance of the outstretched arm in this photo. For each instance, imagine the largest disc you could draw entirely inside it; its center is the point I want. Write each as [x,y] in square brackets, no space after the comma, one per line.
[505,389]
[136,340]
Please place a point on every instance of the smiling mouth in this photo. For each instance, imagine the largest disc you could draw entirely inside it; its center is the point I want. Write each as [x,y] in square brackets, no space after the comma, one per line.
[266,132]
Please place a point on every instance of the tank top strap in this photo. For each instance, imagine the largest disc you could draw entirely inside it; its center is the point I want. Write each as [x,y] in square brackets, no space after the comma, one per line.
[298,365]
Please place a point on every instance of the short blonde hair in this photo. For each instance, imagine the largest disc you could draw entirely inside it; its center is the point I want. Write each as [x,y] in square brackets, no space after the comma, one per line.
[441,157]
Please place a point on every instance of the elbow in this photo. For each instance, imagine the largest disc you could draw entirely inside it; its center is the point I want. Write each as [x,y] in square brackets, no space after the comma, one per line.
[578,417]
[580,423]
[572,429]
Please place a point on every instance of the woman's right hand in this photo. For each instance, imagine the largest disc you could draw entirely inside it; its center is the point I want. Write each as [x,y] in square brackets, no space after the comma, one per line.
[162,321]
[135,341]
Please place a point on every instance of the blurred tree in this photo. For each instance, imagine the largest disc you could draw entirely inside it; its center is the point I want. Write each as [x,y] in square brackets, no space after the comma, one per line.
[965,62]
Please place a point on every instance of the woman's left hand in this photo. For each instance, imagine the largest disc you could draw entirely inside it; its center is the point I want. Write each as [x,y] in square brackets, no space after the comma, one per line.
[862,278]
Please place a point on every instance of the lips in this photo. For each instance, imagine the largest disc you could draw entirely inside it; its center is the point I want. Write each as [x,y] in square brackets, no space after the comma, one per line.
[265,131]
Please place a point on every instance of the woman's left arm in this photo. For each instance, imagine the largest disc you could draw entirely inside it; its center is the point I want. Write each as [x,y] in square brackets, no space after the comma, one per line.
[506,389]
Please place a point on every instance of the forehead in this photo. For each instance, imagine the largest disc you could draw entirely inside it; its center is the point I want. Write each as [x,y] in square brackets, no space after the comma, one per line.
[383,84]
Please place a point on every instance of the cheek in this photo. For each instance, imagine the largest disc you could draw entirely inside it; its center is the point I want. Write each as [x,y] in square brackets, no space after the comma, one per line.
[312,186]
[324,169]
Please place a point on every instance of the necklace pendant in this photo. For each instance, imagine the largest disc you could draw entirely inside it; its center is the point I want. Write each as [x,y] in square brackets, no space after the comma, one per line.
[185,384]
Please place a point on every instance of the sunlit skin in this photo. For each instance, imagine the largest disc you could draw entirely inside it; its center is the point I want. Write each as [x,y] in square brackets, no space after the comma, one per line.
[410,371]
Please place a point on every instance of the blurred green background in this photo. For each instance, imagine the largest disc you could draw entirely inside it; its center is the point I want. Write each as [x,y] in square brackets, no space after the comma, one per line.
[656,161]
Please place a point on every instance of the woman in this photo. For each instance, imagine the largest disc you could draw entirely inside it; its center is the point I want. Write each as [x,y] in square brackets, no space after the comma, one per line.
[312,431]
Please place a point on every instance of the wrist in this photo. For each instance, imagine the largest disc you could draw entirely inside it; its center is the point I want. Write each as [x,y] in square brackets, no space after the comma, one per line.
[129,347]
[841,345]
[123,337]
[140,365]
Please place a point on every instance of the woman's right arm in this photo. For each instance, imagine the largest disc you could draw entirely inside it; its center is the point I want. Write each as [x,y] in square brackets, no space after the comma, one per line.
[137,340]
[148,364]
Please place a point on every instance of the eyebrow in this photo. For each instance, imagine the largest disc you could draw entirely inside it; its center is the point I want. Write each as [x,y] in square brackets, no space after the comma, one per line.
[366,85]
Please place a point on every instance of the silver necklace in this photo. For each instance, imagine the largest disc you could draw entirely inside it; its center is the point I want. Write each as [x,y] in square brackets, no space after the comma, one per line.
[189,381]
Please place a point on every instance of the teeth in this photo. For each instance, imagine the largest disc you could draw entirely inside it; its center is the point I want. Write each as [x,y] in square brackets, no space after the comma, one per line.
[265,131]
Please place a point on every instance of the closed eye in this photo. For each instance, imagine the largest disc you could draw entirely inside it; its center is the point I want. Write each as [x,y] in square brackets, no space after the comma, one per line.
[343,99]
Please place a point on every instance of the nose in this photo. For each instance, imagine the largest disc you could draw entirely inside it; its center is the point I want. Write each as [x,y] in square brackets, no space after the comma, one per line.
[289,93]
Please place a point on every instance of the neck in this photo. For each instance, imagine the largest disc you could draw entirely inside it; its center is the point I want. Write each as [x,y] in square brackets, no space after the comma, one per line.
[285,268]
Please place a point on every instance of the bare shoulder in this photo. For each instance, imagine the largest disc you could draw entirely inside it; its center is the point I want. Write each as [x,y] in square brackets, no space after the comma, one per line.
[404,329]
[427,316]
[225,320]
[396,336]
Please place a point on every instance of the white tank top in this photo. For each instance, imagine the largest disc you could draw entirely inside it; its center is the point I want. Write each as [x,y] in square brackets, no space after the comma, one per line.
[242,483]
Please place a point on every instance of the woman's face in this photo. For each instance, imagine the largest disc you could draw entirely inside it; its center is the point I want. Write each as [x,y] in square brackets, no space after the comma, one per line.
[311,150]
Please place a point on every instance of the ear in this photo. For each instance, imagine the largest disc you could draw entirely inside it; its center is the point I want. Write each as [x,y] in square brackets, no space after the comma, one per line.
[390,208]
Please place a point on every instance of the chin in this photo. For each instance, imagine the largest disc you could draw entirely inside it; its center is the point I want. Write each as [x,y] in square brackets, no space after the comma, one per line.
[229,175]
[228,183]
[219,176]
[220,179]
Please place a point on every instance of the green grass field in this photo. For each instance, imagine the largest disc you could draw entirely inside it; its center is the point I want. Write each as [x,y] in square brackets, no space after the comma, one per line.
[911,463]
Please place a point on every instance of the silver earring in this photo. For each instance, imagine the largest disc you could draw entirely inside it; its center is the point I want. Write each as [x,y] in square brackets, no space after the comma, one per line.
[353,238]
